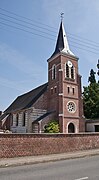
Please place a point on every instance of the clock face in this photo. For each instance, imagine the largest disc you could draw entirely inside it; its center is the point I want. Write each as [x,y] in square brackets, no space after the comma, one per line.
[69,63]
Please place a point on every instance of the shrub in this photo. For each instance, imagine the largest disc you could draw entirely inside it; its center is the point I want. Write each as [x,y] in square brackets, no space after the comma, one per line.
[52,127]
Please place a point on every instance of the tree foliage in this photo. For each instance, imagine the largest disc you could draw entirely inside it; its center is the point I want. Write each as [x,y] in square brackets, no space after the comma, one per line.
[91,78]
[91,97]
[98,69]
[91,101]
[52,127]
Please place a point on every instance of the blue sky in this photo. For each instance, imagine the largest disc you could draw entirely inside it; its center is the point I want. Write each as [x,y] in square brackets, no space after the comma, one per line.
[24,50]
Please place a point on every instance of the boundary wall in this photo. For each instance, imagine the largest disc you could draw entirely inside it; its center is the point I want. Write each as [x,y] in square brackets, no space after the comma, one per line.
[16,145]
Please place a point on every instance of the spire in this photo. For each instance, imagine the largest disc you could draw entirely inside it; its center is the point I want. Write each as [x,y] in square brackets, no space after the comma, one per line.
[62,43]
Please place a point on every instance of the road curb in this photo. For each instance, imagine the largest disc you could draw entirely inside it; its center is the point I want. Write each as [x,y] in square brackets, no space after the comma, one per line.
[19,161]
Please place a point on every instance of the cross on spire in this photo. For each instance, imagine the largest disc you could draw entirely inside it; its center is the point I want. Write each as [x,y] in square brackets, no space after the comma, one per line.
[62,16]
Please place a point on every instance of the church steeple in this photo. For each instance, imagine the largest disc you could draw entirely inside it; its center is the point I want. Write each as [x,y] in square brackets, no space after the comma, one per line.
[64,86]
[62,43]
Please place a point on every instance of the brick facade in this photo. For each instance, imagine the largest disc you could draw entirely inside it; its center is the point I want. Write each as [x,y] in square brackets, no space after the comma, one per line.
[67,90]
[14,145]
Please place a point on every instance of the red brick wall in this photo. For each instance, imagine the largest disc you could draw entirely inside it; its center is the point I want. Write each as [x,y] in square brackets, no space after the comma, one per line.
[59,103]
[14,145]
[53,98]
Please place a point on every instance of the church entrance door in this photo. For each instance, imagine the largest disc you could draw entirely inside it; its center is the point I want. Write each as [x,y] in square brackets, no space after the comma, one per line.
[71,128]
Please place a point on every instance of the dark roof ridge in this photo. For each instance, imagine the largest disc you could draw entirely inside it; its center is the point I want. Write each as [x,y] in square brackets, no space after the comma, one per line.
[26,100]
[33,90]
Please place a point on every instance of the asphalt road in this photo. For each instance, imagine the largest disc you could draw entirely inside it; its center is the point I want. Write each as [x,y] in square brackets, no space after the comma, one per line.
[73,169]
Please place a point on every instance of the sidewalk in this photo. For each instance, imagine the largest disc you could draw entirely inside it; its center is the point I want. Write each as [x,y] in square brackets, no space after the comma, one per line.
[4,162]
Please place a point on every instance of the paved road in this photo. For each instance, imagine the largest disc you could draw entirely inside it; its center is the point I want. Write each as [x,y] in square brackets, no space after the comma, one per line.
[73,169]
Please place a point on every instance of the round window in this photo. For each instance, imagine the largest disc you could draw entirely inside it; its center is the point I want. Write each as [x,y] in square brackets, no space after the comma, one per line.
[71,107]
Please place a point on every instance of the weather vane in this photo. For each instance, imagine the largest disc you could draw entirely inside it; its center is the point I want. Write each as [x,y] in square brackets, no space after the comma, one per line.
[62,16]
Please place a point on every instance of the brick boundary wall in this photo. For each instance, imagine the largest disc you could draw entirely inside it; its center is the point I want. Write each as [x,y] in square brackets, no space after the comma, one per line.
[15,145]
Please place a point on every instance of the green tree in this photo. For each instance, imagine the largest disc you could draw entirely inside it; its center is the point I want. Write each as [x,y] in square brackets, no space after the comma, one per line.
[52,127]
[91,101]
[91,78]
[98,69]
[91,97]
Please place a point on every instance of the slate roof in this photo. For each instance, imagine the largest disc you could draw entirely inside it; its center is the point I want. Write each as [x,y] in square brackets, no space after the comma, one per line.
[43,116]
[62,42]
[27,100]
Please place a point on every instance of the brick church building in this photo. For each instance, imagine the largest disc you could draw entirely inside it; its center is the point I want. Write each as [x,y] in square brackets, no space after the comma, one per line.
[59,99]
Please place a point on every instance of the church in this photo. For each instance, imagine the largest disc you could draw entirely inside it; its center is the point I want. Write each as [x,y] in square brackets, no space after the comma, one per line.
[59,99]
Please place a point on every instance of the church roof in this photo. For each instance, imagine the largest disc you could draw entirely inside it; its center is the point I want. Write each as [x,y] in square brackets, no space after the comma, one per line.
[43,116]
[62,42]
[27,100]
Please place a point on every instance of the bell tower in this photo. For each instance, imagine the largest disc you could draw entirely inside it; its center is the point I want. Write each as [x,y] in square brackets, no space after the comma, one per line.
[64,86]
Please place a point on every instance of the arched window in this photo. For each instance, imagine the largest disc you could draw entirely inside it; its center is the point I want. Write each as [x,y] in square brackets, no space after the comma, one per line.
[24,118]
[54,71]
[17,119]
[69,71]
[71,107]
[11,120]
[72,72]
[71,128]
